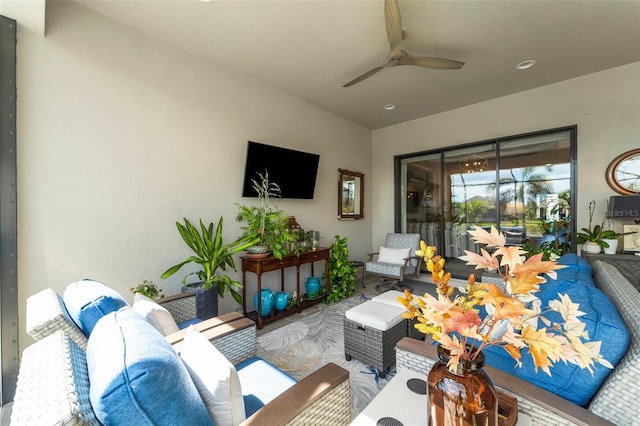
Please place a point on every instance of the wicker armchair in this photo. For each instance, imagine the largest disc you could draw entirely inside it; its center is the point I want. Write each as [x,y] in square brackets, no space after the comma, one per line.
[322,398]
[395,271]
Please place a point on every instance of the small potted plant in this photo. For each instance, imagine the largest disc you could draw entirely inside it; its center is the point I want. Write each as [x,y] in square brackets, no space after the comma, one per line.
[598,237]
[266,222]
[148,289]
[294,301]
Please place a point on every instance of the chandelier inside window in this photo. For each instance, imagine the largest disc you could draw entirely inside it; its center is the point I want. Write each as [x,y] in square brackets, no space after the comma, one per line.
[473,163]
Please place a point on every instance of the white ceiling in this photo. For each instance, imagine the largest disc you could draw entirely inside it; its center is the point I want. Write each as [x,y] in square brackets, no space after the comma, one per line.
[310,48]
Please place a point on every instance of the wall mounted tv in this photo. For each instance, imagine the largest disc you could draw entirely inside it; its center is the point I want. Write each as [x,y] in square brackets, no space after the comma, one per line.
[294,171]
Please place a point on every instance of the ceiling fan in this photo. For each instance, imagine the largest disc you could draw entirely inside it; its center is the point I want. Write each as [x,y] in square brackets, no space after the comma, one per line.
[397,56]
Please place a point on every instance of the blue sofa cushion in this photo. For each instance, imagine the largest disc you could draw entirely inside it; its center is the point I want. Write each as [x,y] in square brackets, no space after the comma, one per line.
[136,376]
[87,301]
[261,383]
[572,260]
[602,322]
[575,275]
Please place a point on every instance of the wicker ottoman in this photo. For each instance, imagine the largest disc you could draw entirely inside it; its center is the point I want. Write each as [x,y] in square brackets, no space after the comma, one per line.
[391,298]
[371,331]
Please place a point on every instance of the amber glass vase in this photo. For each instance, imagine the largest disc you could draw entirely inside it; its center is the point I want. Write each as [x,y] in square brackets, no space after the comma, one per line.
[464,398]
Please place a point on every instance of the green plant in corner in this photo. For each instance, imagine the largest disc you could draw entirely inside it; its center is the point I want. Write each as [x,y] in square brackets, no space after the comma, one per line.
[266,222]
[148,289]
[598,233]
[342,275]
[211,255]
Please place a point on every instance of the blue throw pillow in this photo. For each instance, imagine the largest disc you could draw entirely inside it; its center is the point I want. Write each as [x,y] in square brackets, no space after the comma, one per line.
[602,322]
[87,301]
[137,378]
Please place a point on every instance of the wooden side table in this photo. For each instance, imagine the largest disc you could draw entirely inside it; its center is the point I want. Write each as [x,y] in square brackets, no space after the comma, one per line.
[269,264]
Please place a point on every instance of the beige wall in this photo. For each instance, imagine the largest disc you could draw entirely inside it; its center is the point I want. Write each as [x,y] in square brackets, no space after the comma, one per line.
[120,135]
[605,106]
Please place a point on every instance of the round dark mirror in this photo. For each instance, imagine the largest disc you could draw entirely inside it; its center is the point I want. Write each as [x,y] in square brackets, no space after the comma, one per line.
[623,173]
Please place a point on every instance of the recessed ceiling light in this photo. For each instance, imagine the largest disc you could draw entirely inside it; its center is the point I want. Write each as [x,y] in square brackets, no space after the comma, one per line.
[526,64]
[389,107]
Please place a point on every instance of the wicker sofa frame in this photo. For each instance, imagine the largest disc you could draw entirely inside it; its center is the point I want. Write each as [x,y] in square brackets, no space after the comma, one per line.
[321,398]
[616,400]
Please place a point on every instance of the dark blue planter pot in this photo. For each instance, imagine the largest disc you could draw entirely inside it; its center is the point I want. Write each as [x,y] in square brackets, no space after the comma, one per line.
[267,300]
[282,300]
[312,285]
[206,300]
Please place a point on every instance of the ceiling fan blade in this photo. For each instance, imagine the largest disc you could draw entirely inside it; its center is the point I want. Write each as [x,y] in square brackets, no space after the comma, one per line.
[393,22]
[363,76]
[434,63]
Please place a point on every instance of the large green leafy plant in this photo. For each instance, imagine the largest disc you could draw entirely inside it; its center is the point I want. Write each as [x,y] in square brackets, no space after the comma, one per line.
[342,274]
[212,256]
[266,222]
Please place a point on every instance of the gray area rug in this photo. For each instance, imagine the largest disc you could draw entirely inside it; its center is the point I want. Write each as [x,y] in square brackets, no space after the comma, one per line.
[303,346]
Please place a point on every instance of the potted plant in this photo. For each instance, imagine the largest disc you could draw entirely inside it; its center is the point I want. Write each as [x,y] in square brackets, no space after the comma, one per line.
[550,250]
[342,274]
[598,237]
[148,289]
[212,256]
[265,222]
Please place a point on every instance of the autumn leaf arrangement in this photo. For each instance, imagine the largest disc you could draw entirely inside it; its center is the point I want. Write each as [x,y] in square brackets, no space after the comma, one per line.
[484,314]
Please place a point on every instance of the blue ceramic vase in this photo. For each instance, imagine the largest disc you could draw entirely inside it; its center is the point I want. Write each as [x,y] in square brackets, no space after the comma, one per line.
[266,299]
[282,300]
[312,286]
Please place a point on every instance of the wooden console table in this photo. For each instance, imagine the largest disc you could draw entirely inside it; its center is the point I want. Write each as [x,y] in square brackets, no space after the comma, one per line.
[268,264]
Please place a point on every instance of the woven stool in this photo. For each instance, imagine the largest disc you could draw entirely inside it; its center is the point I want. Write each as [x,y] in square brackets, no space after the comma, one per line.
[391,298]
[371,331]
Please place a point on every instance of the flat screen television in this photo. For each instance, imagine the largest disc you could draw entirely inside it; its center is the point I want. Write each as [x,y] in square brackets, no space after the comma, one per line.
[294,171]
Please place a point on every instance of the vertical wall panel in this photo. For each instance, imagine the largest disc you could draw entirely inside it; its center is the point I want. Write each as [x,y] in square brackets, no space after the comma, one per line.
[8,211]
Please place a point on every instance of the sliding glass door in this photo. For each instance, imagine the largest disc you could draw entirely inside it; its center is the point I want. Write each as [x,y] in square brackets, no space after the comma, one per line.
[522,185]
[423,204]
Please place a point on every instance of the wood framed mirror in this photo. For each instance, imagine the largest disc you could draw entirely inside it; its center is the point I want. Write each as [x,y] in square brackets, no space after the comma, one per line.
[623,173]
[350,194]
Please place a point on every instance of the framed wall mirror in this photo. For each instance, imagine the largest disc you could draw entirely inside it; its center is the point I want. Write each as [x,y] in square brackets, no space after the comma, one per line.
[350,194]
[623,173]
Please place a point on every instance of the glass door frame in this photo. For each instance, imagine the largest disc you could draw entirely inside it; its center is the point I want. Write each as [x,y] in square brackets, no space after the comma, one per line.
[398,178]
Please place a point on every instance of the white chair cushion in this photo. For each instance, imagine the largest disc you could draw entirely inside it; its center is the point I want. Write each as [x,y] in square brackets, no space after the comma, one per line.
[215,378]
[380,316]
[395,256]
[389,297]
[158,316]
